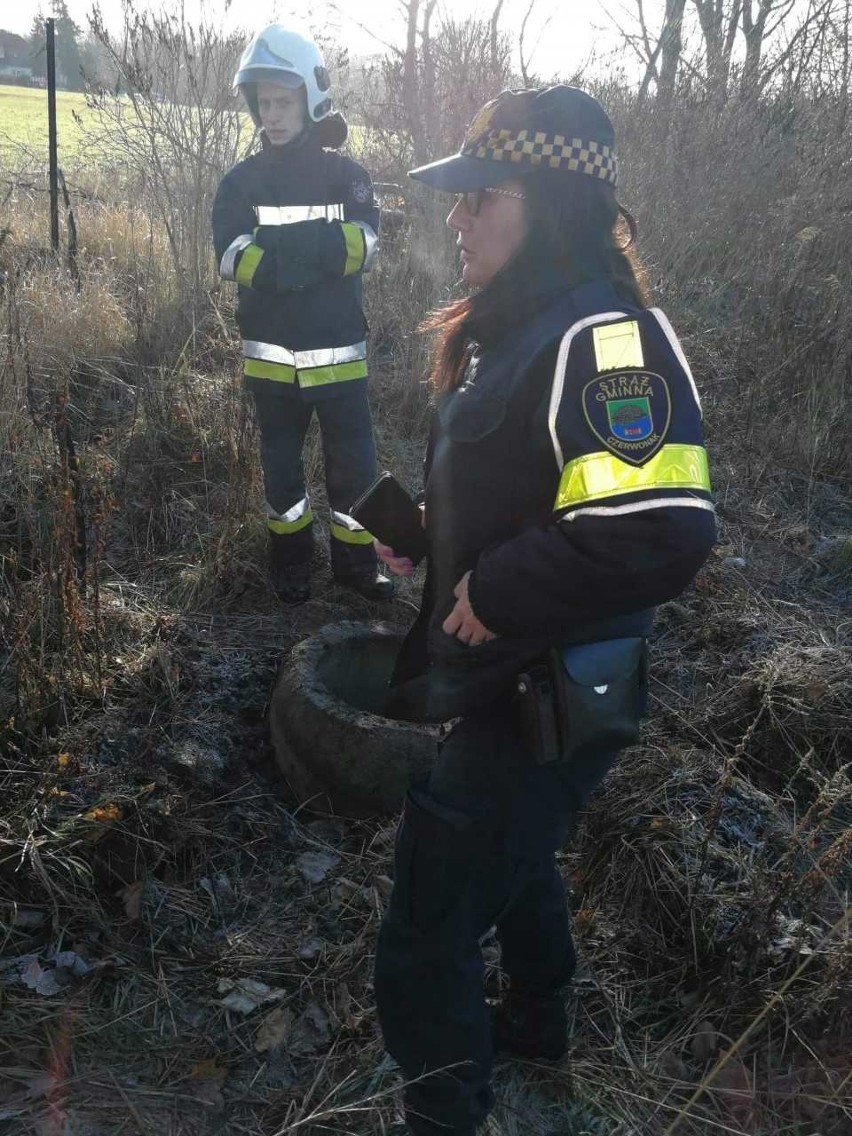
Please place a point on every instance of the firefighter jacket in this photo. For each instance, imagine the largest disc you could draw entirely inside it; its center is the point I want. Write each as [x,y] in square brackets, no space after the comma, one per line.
[295,226]
[568,474]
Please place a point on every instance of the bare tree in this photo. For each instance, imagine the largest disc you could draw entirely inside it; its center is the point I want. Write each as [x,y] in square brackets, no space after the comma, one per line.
[495,35]
[756,30]
[411,83]
[428,100]
[173,121]
[801,53]
[660,53]
[523,57]
[775,34]
[671,48]
[719,21]
[419,99]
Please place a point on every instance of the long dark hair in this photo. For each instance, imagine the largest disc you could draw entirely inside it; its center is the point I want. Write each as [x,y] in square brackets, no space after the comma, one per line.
[575,231]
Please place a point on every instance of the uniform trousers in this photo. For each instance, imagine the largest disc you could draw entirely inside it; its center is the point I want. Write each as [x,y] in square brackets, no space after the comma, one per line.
[349,456]
[475,849]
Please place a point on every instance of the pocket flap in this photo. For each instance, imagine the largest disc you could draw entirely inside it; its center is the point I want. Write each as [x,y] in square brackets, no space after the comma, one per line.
[599,664]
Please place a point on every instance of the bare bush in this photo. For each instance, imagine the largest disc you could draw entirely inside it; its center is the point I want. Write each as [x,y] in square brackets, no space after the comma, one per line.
[172,122]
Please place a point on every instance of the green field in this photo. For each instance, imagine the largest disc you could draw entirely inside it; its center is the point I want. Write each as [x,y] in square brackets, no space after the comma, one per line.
[23,125]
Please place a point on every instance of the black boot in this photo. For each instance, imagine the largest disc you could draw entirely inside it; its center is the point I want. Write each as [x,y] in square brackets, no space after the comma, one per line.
[292,582]
[532,1026]
[367,582]
[290,576]
[357,567]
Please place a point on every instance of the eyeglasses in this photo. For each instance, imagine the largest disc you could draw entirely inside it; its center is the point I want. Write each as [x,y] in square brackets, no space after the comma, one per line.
[474,198]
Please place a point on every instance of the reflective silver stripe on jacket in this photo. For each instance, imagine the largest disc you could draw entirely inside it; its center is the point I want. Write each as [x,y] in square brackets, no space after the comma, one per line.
[290,214]
[559,374]
[228,265]
[639,507]
[299,510]
[371,241]
[346,522]
[302,360]
[674,343]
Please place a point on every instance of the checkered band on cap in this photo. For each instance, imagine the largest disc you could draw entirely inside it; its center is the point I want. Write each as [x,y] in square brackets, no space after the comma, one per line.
[555,151]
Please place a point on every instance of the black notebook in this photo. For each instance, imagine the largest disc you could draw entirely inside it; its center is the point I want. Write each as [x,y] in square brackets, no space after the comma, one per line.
[386,510]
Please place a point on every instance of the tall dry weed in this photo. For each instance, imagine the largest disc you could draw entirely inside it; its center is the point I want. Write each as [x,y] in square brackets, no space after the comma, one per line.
[748,240]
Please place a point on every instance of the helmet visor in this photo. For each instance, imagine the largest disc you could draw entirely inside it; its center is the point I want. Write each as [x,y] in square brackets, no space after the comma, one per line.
[258,74]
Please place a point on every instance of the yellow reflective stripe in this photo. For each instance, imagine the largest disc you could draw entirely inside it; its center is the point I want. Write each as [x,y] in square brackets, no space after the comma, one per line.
[618,345]
[284,528]
[597,476]
[337,373]
[356,248]
[247,267]
[349,537]
[276,372]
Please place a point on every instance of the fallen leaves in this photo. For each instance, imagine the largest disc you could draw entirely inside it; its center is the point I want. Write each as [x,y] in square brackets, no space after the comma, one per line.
[310,949]
[132,896]
[102,819]
[300,1036]
[315,866]
[274,1030]
[208,1070]
[208,1077]
[48,976]
[245,995]
[104,814]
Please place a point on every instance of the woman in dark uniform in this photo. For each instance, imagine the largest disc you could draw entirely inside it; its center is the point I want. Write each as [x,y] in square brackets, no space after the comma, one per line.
[566,495]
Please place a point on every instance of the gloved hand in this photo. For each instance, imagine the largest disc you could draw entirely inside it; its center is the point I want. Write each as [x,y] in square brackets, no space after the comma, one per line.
[301,251]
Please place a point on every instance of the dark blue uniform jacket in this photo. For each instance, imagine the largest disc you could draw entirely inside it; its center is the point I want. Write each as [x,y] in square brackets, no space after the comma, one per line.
[578,497]
[295,226]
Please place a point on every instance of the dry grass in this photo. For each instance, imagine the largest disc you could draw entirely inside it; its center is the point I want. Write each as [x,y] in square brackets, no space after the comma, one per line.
[145,834]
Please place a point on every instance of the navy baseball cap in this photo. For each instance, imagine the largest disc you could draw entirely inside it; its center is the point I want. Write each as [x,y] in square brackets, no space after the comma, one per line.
[519,132]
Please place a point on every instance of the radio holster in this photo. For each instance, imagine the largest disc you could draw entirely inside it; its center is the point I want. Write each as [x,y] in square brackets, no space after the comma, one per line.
[583,699]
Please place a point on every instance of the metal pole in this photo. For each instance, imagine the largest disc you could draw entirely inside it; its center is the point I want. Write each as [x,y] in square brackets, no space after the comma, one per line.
[51,126]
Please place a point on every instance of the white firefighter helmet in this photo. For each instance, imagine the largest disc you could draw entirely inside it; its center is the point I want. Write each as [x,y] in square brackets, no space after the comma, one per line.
[288,59]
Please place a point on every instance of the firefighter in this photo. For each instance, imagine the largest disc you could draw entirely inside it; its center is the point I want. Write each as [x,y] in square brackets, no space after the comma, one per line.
[295,226]
[566,495]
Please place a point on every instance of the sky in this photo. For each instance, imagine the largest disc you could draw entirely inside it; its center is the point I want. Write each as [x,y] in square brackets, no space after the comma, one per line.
[560,37]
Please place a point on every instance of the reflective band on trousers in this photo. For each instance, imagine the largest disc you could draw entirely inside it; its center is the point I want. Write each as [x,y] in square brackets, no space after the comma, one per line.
[346,522]
[321,357]
[347,536]
[299,517]
[597,476]
[292,214]
[347,529]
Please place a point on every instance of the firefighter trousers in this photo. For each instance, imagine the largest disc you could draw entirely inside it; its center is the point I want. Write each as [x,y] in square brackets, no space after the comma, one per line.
[349,456]
[475,849]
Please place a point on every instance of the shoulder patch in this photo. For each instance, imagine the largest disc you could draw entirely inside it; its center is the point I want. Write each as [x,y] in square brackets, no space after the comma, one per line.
[629,412]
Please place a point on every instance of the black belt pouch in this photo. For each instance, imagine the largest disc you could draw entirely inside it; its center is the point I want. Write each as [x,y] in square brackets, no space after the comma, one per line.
[584,699]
